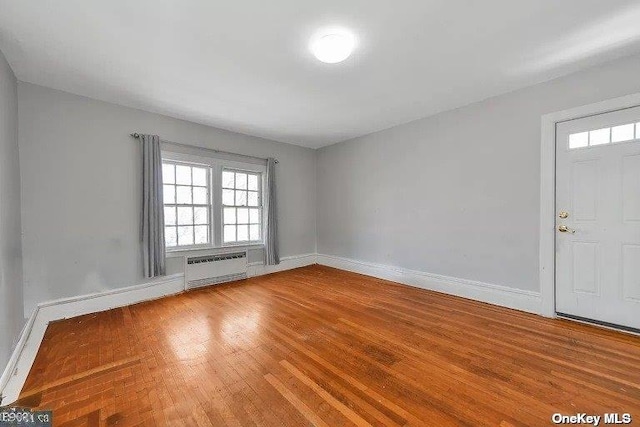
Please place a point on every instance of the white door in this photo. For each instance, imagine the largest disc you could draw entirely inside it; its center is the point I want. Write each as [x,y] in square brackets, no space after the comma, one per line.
[598,218]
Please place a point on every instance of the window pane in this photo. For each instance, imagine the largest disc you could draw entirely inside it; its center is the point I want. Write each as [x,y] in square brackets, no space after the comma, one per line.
[169,194]
[243,216]
[600,136]
[168,173]
[622,133]
[229,215]
[229,233]
[199,196]
[183,195]
[183,175]
[199,176]
[185,215]
[202,234]
[254,216]
[169,215]
[578,140]
[170,236]
[228,179]
[254,232]
[243,233]
[227,197]
[253,198]
[200,215]
[241,198]
[185,235]
[253,182]
[241,181]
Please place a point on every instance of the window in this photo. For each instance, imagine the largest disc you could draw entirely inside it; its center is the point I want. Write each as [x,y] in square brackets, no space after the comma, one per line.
[211,202]
[622,133]
[186,204]
[242,206]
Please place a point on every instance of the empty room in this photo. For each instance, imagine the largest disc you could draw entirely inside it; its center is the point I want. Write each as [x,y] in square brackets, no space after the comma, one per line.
[338,213]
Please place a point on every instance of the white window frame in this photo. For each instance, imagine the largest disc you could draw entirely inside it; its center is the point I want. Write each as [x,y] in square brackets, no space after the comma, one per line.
[216,165]
[208,205]
[259,207]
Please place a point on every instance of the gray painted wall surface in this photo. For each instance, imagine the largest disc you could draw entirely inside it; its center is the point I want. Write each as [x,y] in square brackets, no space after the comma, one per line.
[457,193]
[81,190]
[11,314]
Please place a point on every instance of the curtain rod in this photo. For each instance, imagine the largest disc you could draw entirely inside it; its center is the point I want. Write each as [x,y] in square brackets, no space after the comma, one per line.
[136,135]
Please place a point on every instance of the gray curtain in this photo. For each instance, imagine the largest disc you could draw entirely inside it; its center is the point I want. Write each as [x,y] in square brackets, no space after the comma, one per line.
[153,250]
[271,253]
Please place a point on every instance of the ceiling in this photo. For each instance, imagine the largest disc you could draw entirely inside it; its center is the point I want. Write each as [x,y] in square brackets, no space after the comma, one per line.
[245,65]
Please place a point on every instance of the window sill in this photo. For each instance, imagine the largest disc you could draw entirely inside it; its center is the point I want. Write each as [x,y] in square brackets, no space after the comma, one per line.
[176,253]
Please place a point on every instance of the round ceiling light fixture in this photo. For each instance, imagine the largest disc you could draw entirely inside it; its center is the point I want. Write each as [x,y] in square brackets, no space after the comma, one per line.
[333,47]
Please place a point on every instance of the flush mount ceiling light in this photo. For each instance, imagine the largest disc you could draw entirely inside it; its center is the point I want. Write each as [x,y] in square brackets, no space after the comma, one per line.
[333,47]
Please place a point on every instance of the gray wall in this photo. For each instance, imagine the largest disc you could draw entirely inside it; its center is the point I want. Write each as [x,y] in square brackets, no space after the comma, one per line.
[457,193]
[11,314]
[81,190]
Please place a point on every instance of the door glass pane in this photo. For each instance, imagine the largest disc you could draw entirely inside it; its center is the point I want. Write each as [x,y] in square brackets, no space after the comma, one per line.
[622,133]
[183,175]
[600,136]
[578,140]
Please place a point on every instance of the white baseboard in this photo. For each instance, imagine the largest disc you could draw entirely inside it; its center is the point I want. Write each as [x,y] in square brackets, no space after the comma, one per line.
[518,299]
[25,352]
[286,263]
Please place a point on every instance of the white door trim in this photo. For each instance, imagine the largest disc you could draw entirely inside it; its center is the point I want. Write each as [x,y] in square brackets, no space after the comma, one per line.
[548,187]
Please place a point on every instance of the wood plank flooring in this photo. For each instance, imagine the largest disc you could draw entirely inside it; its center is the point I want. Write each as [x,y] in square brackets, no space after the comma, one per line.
[319,346]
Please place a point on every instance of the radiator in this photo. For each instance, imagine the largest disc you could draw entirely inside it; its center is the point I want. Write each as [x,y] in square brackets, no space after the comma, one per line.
[212,269]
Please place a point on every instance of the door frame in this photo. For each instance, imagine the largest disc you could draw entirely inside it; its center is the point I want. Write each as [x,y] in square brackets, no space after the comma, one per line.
[547,265]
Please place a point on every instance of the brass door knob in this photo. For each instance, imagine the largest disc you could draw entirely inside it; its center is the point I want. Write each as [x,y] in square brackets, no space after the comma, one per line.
[563,214]
[565,229]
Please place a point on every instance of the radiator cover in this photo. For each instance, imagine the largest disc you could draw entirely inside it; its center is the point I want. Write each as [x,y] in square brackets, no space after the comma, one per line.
[213,269]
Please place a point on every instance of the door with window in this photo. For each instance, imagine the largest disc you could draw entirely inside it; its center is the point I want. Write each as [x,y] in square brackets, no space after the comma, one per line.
[598,218]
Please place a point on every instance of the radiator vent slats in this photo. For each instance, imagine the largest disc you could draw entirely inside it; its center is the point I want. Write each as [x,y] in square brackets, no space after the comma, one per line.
[213,258]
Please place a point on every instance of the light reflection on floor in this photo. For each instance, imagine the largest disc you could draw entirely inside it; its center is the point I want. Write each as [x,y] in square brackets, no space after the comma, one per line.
[189,338]
[241,329]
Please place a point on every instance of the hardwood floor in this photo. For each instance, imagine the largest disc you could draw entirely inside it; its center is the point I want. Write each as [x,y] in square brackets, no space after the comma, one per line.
[319,346]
